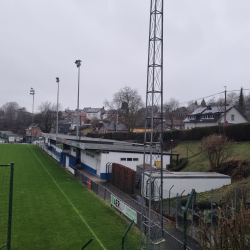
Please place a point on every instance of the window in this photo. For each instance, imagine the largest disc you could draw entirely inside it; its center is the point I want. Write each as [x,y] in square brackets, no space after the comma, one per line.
[74,150]
[129,159]
[135,159]
[232,117]
[123,159]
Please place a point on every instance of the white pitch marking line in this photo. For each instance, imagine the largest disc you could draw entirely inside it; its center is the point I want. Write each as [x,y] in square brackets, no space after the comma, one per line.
[69,201]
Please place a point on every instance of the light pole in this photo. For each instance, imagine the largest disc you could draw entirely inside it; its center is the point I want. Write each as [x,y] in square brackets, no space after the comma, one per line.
[32,92]
[57,80]
[78,64]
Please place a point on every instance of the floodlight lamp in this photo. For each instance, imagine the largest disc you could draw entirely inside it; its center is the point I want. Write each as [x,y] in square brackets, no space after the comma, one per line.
[78,63]
[57,79]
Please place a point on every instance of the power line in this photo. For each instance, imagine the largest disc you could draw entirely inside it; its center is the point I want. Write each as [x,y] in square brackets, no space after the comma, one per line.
[202,98]
[212,95]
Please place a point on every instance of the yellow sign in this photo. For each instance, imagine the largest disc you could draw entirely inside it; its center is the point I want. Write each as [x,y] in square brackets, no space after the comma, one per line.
[158,164]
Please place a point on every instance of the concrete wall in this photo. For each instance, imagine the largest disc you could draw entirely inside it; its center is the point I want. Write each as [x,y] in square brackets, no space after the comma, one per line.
[187,184]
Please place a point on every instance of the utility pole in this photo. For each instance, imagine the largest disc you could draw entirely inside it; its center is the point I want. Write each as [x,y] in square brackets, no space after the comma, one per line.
[225,105]
[152,189]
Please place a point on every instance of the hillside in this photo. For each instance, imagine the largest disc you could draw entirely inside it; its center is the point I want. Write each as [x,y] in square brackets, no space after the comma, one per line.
[199,162]
[238,168]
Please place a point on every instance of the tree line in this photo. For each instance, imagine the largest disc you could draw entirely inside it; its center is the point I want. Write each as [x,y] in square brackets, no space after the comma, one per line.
[17,119]
[128,108]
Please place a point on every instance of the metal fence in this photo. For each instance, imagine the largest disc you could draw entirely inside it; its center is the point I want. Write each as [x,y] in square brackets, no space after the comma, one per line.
[173,237]
[204,204]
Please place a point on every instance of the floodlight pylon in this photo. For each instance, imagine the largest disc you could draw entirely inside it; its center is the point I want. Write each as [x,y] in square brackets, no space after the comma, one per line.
[151,187]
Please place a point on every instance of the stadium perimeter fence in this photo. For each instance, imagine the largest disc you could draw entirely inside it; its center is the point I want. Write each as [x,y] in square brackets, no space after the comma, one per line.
[173,237]
[6,194]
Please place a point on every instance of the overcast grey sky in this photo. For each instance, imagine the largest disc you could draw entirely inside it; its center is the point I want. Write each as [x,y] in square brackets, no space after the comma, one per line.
[206,46]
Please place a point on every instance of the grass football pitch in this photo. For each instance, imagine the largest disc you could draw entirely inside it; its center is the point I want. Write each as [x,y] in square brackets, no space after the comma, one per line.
[53,210]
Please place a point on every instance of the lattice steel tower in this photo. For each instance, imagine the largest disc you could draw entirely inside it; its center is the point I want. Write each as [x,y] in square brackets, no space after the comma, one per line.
[151,185]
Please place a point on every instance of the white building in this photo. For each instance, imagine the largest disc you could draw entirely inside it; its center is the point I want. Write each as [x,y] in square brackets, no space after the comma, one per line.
[184,182]
[212,116]
[94,113]
[93,155]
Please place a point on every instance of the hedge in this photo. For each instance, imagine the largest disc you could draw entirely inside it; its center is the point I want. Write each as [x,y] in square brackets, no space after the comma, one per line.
[236,132]
[123,178]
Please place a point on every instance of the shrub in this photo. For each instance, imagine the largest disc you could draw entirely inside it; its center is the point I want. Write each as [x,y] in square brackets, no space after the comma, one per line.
[232,233]
[218,149]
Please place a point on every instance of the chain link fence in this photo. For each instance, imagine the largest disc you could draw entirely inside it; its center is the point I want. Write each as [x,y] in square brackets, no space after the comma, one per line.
[173,237]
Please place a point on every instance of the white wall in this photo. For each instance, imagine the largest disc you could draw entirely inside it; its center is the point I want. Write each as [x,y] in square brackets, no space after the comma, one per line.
[59,150]
[72,152]
[238,118]
[203,124]
[115,157]
[201,184]
[98,161]
[94,115]
[86,158]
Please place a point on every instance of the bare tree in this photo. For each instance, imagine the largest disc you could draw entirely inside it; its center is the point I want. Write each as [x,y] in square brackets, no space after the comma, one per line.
[170,111]
[191,106]
[211,102]
[232,98]
[232,230]
[128,102]
[10,114]
[218,149]
[46,117]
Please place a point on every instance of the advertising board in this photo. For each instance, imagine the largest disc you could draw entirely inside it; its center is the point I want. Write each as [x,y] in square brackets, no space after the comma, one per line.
[126,210]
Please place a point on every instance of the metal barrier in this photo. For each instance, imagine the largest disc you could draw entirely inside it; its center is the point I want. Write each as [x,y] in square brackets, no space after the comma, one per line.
[173,237]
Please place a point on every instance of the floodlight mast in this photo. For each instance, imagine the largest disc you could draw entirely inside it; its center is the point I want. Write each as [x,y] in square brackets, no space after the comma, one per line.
[32,92]
[57,80]
[78,64]
[151,190]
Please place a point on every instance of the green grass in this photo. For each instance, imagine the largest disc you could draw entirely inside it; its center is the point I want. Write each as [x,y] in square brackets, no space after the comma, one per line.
[196,160]
[199,162]
[53,210]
